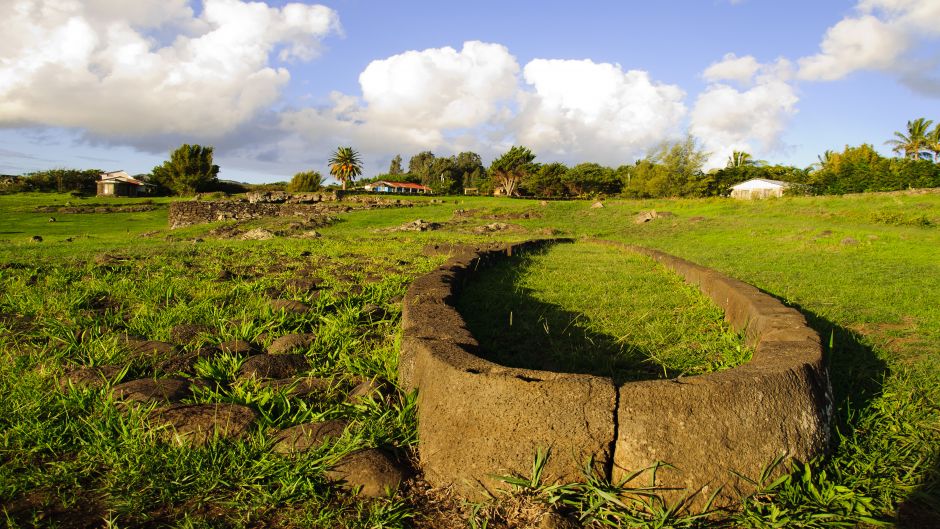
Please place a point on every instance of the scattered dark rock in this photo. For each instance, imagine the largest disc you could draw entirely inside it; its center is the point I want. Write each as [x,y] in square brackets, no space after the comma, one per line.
[290,343]
[417,225]
[493,227]
[187,332]
[198,424]
[186,363]
[372,389]
[372,312]
[291,306]
[139,347]
[89,377]
[299,387]
[237,347]
[274,366]
[148,390]
[370,472]
[303,285]
[303,437]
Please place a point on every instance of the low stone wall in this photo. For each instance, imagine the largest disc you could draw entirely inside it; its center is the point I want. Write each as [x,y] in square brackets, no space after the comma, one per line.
[477,418]
[182,214]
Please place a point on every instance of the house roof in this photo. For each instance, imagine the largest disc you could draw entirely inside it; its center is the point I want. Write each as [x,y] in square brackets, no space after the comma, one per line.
[120,176]
[778,183]
[408,185]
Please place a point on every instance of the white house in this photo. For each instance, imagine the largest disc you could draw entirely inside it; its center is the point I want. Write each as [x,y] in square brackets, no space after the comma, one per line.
[759,188]
[385,186]
[119,184]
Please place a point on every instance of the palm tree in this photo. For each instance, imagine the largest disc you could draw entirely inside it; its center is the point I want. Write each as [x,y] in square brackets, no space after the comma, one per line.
[915,141]
[824,159]
[345,165]
[742,159]
[933,143]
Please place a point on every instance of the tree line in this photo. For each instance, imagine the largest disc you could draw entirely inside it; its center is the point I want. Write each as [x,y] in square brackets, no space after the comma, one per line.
[673,169]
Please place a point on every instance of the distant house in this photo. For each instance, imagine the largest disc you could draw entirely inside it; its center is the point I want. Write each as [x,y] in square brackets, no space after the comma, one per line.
[384,186]
[759,188]
[119,184]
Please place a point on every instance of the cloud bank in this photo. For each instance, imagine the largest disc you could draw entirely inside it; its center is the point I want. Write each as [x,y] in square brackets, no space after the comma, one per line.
[99,65]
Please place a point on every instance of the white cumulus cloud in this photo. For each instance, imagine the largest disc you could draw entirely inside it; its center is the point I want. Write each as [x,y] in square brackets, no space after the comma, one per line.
[752,119]
[437,98]
[96,65]
[579,110]
[733,68]
[880,35]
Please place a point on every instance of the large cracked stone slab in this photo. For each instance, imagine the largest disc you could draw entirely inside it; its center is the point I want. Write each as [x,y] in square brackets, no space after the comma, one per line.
[304,437]
[370,472]
[198,424]
[274,366]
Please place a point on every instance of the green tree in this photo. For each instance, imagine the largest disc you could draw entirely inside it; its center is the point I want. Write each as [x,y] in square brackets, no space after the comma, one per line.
[511,168]
[915,143]
[547,181]
[306,182]
[189,169]
[420,166]
[395,167]
[591,178]
[345,165]
[64,180]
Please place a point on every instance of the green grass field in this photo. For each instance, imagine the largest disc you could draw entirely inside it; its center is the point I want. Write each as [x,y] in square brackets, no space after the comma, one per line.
[865,270]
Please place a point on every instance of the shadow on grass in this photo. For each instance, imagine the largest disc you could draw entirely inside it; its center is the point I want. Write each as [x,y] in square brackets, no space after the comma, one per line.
[857,376]
[515,329]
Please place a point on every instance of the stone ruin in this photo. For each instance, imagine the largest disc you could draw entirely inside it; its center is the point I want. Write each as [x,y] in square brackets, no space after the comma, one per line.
[273,204]
[477,419]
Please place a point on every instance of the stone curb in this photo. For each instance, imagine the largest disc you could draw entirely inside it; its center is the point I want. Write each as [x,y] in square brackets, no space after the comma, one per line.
[477,419]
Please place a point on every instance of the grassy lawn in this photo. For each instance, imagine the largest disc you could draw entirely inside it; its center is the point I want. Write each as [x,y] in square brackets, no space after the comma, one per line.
[865,270]
[589,308]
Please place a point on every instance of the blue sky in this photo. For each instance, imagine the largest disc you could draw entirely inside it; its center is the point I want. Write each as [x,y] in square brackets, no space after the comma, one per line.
[276,87]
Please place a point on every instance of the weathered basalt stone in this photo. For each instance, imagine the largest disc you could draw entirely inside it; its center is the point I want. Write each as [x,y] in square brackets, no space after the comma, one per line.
[149,390]
[290,343]
[291,306]
[273,366]
[372,389]
[303,437]
[198,424]
[89,377]
[370,472]
[477,419]
[299,386]
[237,347]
